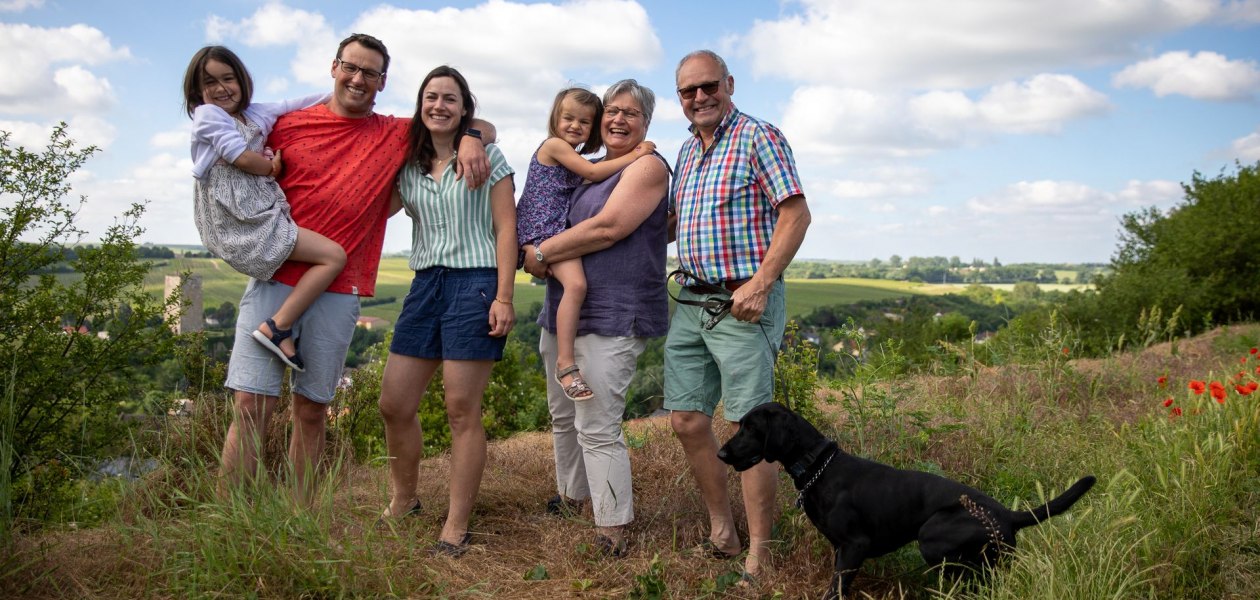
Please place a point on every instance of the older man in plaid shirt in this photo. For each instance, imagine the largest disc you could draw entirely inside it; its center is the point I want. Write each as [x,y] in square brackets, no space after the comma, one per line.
[741,218]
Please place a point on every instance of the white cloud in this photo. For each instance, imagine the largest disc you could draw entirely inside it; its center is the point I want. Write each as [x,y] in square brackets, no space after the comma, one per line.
[1247,148]
[831,124]
[1064,209]
[1237,12]
[272,25]
[909,44]
[83,88]
[1043,220]
[52,63]
[174,139]
[1204,76]
[26,134]
[19,5]
[827,124]
[162,181]
[515,56]
[880,182]
[1040,105]
[1064,199]
[1158,193]
[85,130]
[275,24]
[514,86]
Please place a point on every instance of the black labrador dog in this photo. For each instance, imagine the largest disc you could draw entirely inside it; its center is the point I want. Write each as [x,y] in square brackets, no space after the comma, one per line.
[867,509]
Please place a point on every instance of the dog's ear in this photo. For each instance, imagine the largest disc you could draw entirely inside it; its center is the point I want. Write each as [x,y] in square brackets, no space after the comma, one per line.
[776,429]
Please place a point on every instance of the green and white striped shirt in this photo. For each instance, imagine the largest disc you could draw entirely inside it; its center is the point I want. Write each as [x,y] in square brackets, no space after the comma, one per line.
[451,225]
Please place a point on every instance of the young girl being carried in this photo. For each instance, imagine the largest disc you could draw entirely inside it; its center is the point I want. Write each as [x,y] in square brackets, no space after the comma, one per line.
[555,170]
[241,212]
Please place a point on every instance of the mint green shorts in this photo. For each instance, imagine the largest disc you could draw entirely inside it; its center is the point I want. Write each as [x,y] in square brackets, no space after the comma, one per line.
[732,363]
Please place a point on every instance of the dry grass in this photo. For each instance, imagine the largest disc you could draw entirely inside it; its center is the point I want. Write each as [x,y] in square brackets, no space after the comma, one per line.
[512,535]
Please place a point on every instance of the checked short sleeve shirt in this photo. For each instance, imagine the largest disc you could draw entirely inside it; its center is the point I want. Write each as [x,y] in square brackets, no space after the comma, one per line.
[726,196]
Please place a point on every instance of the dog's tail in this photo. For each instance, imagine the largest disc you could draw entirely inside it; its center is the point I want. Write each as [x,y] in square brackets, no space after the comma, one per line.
[1055,506]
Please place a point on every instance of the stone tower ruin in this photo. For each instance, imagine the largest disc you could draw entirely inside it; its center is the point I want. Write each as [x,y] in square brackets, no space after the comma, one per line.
[193,318]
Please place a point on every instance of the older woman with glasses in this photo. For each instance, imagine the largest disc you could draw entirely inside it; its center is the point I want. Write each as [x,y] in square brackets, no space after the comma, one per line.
[619,230]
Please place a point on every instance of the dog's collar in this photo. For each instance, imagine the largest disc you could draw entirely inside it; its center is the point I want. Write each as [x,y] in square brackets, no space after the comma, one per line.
[800,468]
[801,489]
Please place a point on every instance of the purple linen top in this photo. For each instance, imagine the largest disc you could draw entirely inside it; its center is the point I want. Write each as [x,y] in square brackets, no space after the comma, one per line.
[625,283]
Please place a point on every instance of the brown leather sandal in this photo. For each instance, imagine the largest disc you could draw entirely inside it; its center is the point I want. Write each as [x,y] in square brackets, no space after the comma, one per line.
[576,391]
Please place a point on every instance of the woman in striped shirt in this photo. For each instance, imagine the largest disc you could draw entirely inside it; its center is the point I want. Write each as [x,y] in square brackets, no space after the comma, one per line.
[459,310]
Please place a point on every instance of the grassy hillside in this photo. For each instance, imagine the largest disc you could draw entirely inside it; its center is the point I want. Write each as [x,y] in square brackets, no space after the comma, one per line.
[1173,515]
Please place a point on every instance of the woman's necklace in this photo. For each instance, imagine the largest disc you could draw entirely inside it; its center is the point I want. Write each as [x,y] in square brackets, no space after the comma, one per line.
[440,161]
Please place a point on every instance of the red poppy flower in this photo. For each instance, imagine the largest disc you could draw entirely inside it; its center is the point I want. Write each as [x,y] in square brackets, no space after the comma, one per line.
[1197,387]
[1168,402]
[1253,385]
[1066,351]
[1255,350]
[1219,394]
[1176,411]
[1242,390]
[1163,381]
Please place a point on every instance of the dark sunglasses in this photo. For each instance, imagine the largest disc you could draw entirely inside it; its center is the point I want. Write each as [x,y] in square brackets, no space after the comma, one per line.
[709,88]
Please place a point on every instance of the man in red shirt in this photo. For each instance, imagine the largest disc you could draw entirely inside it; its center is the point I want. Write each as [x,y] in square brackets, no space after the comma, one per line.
[340,162]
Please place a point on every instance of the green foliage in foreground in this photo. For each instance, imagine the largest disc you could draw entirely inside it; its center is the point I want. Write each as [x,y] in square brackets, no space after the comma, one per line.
[69,352]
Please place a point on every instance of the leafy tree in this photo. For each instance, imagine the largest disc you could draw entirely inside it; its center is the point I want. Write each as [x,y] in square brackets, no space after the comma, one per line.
[64,382]
[1201,255]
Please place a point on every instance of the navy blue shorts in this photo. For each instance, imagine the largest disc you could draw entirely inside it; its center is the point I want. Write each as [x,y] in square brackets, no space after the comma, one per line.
[446,316]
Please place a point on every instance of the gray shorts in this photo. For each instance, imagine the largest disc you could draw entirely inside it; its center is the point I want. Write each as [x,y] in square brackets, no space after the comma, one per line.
[323,335]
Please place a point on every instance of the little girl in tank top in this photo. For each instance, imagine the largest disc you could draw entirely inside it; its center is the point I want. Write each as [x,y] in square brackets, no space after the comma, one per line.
[555,170]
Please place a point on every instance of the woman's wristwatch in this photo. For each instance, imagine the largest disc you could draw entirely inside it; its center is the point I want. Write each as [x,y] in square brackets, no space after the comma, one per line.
[538,255]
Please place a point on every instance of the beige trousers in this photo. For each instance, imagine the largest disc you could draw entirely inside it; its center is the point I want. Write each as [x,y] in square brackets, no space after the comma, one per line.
[591,455]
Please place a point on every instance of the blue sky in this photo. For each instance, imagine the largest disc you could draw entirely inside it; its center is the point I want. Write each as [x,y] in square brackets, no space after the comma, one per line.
[1012,129]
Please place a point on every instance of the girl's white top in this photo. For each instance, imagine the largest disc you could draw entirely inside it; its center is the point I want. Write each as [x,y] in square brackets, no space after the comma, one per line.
[214,134]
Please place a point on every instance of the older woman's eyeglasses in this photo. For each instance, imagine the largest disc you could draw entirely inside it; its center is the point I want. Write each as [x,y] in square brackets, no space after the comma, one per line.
[351,69]
[629,113]
[709,88]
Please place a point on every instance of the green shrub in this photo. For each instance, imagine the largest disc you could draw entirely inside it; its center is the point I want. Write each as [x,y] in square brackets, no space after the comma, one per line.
[72,347]
[515,400]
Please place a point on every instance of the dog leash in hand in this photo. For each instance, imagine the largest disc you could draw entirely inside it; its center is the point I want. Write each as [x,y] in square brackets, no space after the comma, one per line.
[800,494]
[716,308]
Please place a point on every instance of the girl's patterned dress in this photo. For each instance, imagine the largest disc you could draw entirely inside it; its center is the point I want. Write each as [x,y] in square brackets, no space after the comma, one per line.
[244,219]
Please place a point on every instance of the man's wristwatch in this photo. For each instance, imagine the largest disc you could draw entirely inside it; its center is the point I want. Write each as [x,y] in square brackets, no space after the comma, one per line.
[538,256]
[473,132]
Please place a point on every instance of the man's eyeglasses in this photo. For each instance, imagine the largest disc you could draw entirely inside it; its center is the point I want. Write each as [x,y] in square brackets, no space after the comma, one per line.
[351,69]
[629,113]
[709,88]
